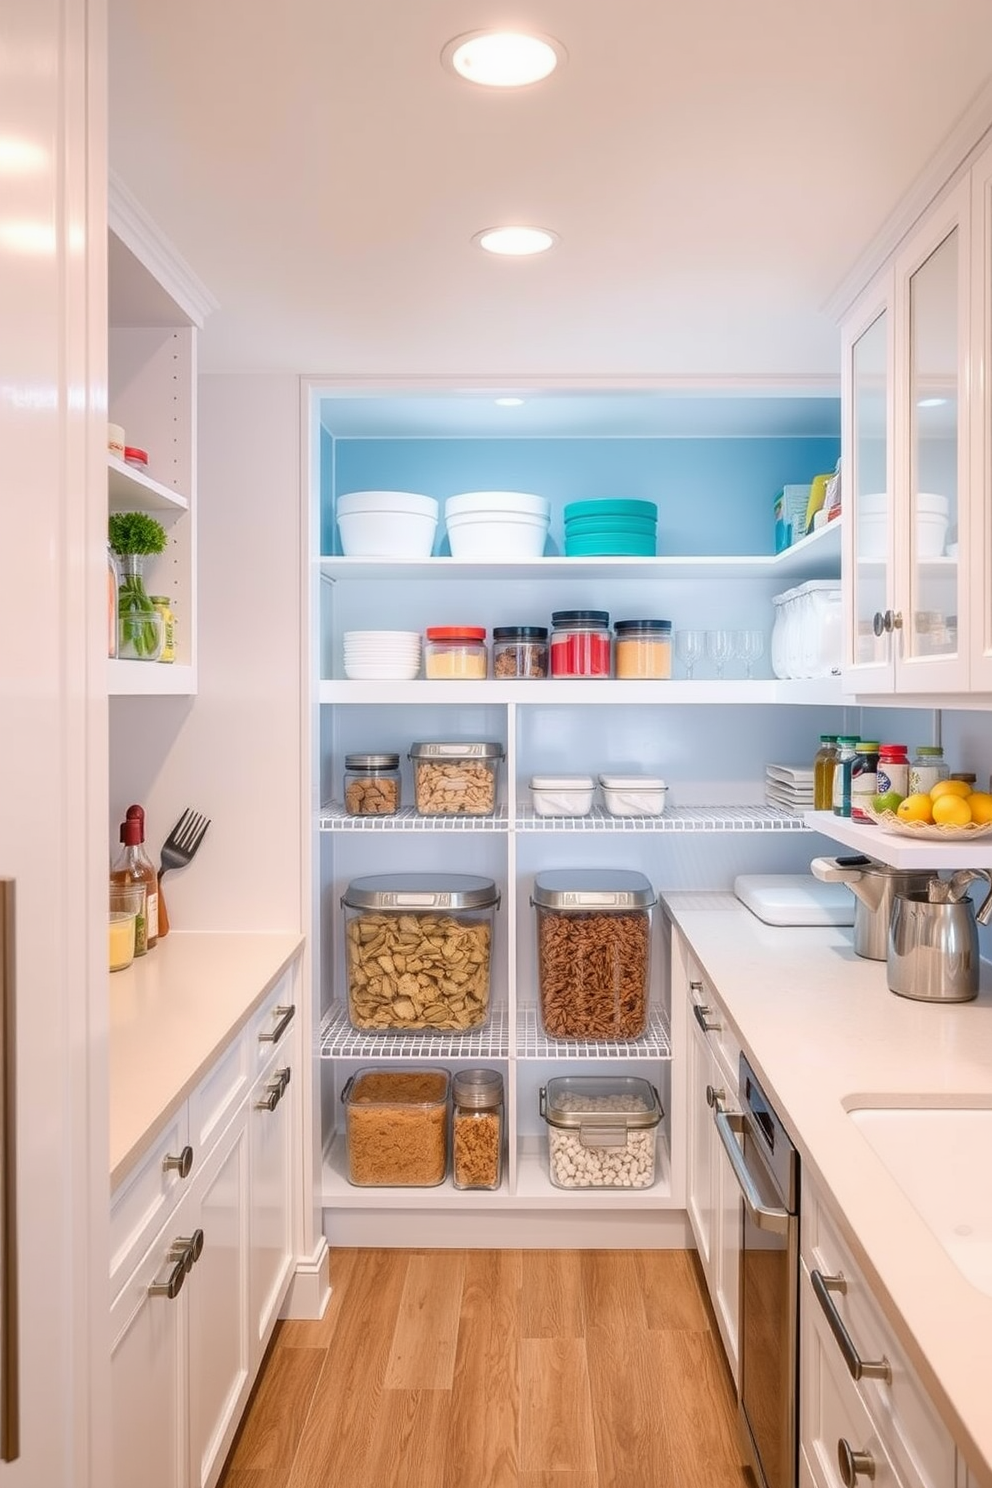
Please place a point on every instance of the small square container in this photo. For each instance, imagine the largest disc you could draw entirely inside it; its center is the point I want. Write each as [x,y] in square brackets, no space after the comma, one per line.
[562,795]
[602,1131]
[633,795]
[455,778]
[397,1127]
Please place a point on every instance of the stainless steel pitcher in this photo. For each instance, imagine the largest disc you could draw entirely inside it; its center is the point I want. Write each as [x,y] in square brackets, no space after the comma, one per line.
[875,887]
[933,940]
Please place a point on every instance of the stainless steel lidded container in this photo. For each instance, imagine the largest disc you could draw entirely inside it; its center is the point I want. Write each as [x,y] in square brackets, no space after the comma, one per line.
[933,940]
[875,887]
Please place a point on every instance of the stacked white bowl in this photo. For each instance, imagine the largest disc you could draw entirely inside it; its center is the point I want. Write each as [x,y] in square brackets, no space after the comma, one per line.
[381,655]
[386,524]
[497,524]
[932,515]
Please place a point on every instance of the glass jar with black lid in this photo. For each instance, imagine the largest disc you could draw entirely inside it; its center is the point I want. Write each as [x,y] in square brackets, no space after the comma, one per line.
[520,651]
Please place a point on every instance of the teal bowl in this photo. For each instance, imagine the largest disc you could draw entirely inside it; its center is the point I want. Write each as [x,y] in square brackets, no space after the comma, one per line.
[609,507]
[605,546]
[636,526]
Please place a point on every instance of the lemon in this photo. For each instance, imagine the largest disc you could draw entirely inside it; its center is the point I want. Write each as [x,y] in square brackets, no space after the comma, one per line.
[918,807]
[950,788]
[951,811]
[981,807]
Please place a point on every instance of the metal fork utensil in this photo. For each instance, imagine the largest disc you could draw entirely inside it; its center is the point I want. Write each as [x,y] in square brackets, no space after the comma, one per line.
[183,841]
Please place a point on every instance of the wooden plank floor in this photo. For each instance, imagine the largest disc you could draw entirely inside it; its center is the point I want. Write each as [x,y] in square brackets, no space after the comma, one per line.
[496,1369]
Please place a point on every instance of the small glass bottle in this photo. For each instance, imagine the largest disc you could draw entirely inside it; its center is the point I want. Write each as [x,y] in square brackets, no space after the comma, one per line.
[477,1128]
[824,761]
[134,866]
[371,784]
[926,768]
[847,753]
[162,603]
[864,780]
[893,770]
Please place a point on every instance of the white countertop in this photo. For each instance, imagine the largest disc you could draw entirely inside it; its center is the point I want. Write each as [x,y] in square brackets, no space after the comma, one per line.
[822,1030]
[171,1013]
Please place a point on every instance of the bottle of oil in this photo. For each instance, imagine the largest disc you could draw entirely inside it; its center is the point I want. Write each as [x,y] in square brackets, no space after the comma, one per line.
[133,865]
[823,773]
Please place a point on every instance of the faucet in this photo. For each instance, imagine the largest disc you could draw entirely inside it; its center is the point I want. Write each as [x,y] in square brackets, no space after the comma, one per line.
[957,886]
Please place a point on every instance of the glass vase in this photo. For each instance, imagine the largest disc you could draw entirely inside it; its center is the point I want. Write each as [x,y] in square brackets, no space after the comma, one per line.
[139,624]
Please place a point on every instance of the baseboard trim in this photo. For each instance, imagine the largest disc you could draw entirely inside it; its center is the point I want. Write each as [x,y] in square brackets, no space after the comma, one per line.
[529,1229]
[309,1289]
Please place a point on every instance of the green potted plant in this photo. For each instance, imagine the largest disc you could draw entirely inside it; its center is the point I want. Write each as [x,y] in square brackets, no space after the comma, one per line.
[133,536]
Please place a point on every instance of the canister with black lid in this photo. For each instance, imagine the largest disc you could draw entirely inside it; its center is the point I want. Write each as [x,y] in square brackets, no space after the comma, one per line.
[580,643]
[520,651]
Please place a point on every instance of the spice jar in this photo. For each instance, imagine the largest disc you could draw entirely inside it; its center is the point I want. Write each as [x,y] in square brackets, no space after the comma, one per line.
[643,648]
[371,784]
[520,651]
[926,769]
[455,651]
[162,603]
[477,1128]
[893,770]
[864,780]
[580,643]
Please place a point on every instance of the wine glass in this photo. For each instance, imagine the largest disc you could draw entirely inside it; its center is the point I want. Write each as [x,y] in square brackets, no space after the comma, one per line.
[749,648]
[719,649]
[689,645]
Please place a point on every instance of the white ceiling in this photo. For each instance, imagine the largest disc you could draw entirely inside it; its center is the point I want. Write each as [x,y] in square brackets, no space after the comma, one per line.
[714,169]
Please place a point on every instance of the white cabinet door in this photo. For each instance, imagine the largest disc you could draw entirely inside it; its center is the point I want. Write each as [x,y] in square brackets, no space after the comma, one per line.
[726,1291]
[148,1369]
[218,1305]
[271,1216]
[980,558]
[700,1133]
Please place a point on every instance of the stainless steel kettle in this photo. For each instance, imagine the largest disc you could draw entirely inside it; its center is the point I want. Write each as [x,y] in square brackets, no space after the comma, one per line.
[933,940]
[875,887]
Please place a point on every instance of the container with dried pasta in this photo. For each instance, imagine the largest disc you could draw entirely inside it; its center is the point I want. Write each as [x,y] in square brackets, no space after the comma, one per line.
[418,948]
[594,952]
[455,778]
[397,1127]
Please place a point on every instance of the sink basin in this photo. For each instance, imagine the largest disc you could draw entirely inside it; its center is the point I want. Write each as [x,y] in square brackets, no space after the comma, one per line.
[941,1158]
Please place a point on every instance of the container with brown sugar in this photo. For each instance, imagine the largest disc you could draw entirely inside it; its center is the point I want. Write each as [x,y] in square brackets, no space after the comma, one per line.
[397,1127]
[477,1129]
[594,952]
[642,648]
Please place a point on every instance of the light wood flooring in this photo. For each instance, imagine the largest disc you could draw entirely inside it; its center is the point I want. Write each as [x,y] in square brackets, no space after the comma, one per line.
[496,1369]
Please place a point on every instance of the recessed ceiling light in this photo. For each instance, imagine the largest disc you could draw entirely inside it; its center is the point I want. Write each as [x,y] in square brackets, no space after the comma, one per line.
[931,402]
[502,59]
[516,242]
[508,402]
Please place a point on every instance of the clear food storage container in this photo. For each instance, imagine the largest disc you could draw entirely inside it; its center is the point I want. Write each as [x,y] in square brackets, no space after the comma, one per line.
[520,651]
[455,778]
[477,1129]
[593,951]
[455,652]
[371,784]
[562,795]
[602,1131]
[396,1123]
[418,948]
[633,795]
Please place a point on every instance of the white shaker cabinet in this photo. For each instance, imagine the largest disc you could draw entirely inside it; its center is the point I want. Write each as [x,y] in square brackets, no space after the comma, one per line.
[271,1213]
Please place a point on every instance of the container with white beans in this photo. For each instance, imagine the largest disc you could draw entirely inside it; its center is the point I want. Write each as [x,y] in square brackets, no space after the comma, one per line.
[601,1130]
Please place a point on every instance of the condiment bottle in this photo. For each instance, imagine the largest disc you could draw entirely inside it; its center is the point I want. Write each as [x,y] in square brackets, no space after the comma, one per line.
[824,761]
[162,603]
[847,753]
[864,780]
[893,770]
[926,769]
[134,866]
[477,1128]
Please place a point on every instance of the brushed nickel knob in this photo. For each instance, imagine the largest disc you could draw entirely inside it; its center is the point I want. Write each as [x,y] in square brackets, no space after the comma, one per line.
[182,1164]
[852,1464]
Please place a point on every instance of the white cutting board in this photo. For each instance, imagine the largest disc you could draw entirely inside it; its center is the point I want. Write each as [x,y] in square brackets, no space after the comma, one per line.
[795,899]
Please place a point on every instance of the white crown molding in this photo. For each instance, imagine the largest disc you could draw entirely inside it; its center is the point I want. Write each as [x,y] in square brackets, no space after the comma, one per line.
[129,221]
[696,385]
[944,165]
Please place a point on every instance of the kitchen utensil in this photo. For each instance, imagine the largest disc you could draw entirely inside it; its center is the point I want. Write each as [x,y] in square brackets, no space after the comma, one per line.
[177,850]
[875,886]
[795,899]
[933,953]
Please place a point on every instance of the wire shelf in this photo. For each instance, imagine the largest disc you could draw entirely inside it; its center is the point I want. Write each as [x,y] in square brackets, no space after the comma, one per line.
[334,818]
[338,1040]
[533,1043]
[687,819]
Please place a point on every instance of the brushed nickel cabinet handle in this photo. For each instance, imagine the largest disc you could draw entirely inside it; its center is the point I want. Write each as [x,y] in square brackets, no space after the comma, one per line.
[275,1091]
[853,1465]
[700,1014]
[715,1096]
[857,1367]
[181,1163]
[285,1015]
[173,1283]
[10,1368]
[190,1247]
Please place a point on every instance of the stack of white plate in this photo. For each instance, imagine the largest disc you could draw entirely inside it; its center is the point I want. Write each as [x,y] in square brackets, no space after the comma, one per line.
[381,655]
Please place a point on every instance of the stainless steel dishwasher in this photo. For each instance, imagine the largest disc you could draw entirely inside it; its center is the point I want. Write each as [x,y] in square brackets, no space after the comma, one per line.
[766,1166]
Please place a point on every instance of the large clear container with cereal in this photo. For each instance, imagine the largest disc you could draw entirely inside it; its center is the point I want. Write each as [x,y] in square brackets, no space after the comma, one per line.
[397,1127]
[418,948]
[593,952]
[455,777]
[602,1131]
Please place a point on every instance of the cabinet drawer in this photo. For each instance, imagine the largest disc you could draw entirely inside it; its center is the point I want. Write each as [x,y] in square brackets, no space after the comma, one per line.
[216,1098]
[269,1027]
[915,1437]
[141,1205]
[719,1034]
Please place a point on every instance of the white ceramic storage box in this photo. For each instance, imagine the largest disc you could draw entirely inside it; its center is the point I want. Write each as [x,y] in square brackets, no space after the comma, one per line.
[562,795]
[418,948]
[386,524]
[593,952]
[455,777]
[633,795]
[602,1131]
[397,1127]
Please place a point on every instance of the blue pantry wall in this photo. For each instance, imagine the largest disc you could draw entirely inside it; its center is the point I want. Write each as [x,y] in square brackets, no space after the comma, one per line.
[711,743]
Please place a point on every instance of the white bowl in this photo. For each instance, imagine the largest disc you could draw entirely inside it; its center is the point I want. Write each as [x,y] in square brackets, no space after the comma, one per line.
[497,502]
[365,671]
[497,537]
[378,635]
[387,524]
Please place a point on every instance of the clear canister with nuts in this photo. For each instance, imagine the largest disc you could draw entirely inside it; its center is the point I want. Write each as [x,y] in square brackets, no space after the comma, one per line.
[602,1131]
[455,778]
[418,948]
[371,784]
[593,952]
[520,651]
[477,1129]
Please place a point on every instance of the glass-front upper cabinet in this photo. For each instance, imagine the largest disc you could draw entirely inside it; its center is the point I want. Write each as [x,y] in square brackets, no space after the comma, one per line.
[979,561]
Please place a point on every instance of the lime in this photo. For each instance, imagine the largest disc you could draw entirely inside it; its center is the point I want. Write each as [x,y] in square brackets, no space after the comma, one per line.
[891,801]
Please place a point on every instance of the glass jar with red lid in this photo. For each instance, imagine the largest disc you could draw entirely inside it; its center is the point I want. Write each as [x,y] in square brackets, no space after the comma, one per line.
[455,652]
[580,643]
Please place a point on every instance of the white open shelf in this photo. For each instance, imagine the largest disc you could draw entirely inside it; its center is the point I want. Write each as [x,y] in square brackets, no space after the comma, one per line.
[609,692]
[130,490]
[333,818]
[902,852]
[531,1042]
[150,679]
